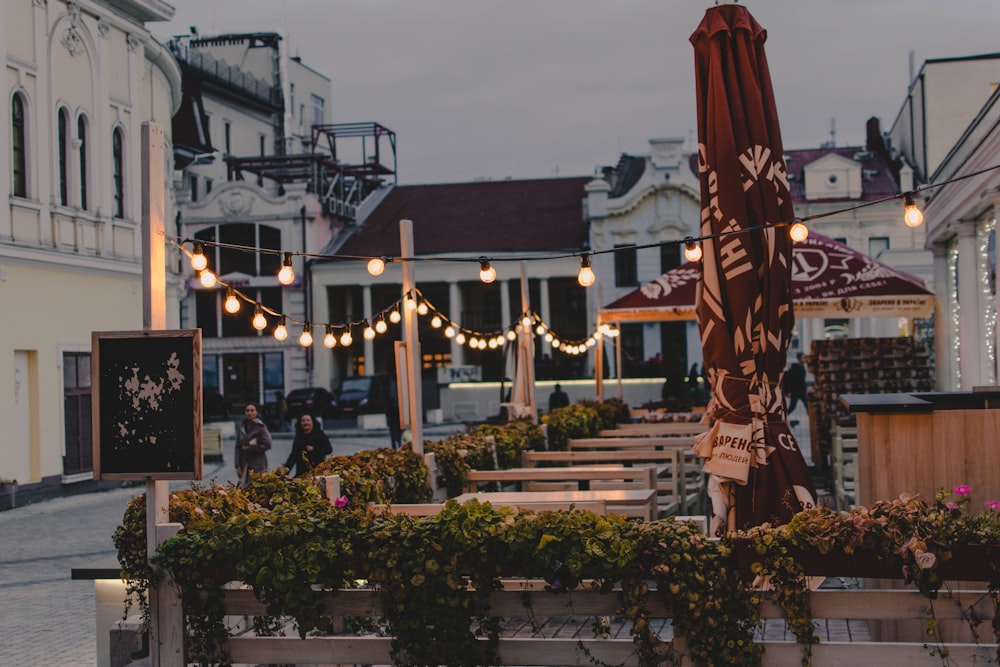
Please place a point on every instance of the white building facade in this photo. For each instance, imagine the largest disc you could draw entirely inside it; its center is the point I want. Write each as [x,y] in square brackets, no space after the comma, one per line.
[80,79]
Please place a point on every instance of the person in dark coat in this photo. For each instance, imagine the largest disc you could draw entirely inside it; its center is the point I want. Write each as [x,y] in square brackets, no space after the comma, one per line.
[558,398]
[310,447]
[252,442]
[794,383]
[392,421]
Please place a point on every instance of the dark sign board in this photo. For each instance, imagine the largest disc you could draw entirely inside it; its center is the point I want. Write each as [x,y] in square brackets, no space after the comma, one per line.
[147,404]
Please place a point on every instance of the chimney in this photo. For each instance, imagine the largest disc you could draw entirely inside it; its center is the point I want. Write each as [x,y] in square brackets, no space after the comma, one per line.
[873,136]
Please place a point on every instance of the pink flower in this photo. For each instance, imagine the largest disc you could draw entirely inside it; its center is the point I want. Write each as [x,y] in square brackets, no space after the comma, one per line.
[924,559]
[950,505]
[340,502]
[993,505]
[962,490]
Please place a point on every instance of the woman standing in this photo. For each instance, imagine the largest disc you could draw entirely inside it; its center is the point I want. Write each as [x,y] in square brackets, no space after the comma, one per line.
[310,446]
[252,442]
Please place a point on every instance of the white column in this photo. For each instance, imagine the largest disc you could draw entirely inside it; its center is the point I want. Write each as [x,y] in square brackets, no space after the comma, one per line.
[546,310]
[504,302]
[41,165]
[6,225]
[969,345]
[101,153]
[369,345]
[454,311]
[944,358]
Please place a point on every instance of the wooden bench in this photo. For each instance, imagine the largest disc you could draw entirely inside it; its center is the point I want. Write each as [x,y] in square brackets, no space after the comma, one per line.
[580,478]
[640,503]
[664,428]
[643,442]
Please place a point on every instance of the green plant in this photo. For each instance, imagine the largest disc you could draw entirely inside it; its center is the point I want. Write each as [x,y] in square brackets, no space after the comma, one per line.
[379,476]
[573,421]
[512,438]
[610,412]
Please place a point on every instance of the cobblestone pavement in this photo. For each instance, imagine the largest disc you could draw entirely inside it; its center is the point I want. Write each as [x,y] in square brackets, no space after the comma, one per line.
[48,619]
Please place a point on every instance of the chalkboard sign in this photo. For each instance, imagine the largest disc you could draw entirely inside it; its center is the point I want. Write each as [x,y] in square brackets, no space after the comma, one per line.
[147,404]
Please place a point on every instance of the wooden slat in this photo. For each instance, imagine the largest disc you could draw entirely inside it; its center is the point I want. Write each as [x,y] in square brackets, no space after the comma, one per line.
[649,442]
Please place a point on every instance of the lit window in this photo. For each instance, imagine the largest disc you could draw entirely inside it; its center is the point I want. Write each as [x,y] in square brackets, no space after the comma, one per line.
[18,147]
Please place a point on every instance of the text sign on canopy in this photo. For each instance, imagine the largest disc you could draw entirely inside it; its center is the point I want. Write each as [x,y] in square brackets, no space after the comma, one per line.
[147,404]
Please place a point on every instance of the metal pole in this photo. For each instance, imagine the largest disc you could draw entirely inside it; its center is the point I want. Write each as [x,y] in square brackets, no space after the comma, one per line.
[526,343]
[415,408]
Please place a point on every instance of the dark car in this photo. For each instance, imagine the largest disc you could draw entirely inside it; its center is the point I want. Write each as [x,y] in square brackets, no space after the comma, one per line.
[314,400]
[363,394]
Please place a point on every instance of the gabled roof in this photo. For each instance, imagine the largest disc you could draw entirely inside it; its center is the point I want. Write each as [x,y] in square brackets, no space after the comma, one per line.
[483,217]
[877,180]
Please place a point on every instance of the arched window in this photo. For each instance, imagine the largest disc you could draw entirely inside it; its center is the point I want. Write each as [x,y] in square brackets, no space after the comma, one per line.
[118,171]
[81,130]
[18,147]
[64,156]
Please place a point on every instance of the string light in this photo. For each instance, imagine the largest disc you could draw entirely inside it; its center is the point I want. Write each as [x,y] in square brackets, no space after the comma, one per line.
[306,339]
[280,331]
[460,338]
[207,279]
[346,339]
[511,335]
[486,272]
[692,251]
[586,276]
[232,302]
[436,321]
[493,343]
[422,308]
[329,339]
[449,331]
[911,214]
[798,232]
[410,302]
[286,276]
[394,316]
[540,329]
[259,321]
[526,321]
[376,265]
[198,260]
[367,331]
[380,326]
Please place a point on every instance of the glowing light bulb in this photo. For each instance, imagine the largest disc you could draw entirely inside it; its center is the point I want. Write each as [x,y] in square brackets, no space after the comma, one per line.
[481,344]
[586,276]
[540,329]
[692,251]
[207,279]
[555,342]
[591,342]
[376,265]
[198,260]
[410,303]
[493,343]
[460,338]
[346,339]
[306,339]
[798,232]
[259,321]
[486,272]
[511,335]
[368,332]
[380,326]
[436,321]
[473,342]
[548,337]
[281,331]
[286,276]
[329,339]
[422,309]
[232,302]
[449,331]
[911,215]
[394,317]
[526,321]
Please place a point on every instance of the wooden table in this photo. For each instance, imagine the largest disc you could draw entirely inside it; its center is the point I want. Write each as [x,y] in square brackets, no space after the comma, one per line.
[643,442]
[582,474]
[634,502]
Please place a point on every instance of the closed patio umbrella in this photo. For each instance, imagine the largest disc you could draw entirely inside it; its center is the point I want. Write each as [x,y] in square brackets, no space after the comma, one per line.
[744,300]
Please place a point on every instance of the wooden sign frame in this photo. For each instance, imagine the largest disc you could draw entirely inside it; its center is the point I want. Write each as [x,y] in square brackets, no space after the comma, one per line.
[147,404]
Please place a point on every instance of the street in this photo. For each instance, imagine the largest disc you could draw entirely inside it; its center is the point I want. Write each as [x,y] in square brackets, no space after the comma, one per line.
[48,619]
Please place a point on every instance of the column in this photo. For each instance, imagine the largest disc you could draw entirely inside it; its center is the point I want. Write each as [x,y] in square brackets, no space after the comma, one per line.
[369,345]
[944,333]
[505,302]
[546,310]
[455,311]
[969,345]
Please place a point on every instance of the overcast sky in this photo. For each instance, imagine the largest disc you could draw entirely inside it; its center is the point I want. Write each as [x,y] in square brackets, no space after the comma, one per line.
[536,88]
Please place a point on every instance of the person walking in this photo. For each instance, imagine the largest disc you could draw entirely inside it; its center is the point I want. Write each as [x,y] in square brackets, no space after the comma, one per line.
[794,382]
[310,447]
[252,442]
[392,421]
[558,398]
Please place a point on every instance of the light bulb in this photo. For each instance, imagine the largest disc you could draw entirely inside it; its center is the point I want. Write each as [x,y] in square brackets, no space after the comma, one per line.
[232,302]
[198,260]
[798,232]
[911,215]
[460,338]
[306,339]
[410,303]
[376,265]
[259,321]
[436,321]
[473,342]
[380,326]
[493,343]
[394,317]
[526,321]
[548,337]
[286,276]
[449,331]
[591,342]
[329,339]
[511,335]
[555,342]
[481,344]
[586,276]
[281,331]
[692,251]
[346,339]
[486,272]
[540,329]
[207,279]
[422,308]
[368,332]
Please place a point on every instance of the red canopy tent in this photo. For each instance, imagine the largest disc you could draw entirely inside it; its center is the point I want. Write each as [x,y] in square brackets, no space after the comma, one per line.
[829,279]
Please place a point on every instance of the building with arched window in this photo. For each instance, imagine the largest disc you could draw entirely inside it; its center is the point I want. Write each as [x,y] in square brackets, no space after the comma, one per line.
[80,79]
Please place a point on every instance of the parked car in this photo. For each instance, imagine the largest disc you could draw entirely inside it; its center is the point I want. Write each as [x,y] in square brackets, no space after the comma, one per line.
[314,400]
[363,394]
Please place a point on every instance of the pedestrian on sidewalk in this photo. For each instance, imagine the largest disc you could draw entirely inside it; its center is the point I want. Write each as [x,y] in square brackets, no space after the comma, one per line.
[310,447]
[392,421]
[794,383]
[252,442]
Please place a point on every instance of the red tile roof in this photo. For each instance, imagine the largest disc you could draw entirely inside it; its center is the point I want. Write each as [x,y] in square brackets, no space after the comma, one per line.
[486,217]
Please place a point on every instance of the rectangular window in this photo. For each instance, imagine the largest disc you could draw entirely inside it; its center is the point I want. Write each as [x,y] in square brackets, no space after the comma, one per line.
[670,256]
[208,185]
[263,144]
[64,157]
[118,172]
[877,245]
[317,107]
[194,187]
[82,136]
[18,148]
[227,131]
[77,410]
[625,266]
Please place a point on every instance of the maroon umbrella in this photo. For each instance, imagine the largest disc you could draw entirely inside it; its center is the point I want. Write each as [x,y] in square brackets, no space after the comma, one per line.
[744,303]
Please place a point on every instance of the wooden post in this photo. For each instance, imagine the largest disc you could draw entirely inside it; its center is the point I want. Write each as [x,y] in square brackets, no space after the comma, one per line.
[166,631]
[410,335]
